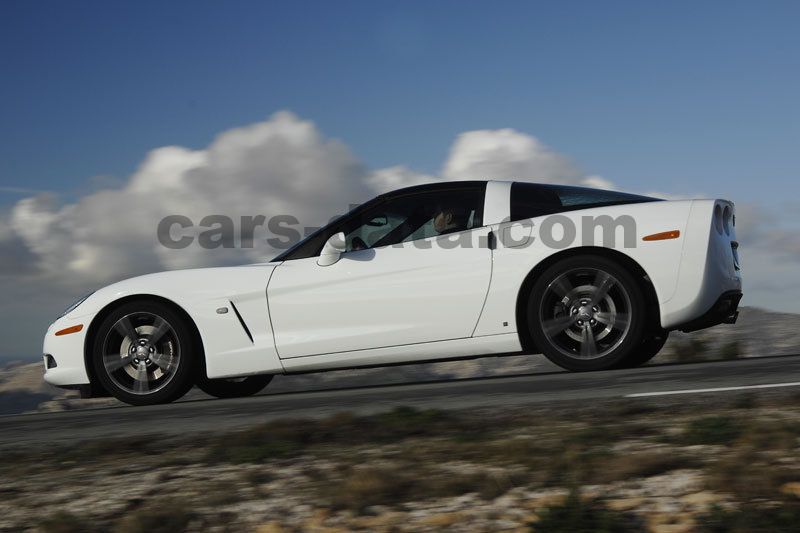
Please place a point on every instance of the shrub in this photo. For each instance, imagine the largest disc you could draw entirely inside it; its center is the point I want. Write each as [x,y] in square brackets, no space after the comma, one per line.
[639,465]
[577,516]
[63,522]
[156,516]
[751,519]
[747,475]
[731,350]
[390,485]
[692,349]
[712,430]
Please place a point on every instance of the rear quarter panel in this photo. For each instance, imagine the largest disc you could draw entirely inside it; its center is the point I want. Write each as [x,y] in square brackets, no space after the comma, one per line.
[661,260]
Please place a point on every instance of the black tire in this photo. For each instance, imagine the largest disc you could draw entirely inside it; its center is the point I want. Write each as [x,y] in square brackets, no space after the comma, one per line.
[648,349]
[587,313]
[145,353]
[234,388]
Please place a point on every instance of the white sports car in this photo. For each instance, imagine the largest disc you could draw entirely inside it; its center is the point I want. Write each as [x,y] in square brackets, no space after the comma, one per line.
[592,279]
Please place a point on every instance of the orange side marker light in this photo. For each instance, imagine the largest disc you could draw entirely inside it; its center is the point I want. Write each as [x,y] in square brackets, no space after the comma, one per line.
[663,236]
[71,329]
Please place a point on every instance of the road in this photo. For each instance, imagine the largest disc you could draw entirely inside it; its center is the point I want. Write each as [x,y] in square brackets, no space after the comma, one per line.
[670,380]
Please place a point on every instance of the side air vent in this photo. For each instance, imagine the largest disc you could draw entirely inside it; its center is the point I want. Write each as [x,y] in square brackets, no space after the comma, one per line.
[241,321]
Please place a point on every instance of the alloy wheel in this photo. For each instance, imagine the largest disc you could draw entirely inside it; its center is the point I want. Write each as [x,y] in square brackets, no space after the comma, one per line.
[585,313]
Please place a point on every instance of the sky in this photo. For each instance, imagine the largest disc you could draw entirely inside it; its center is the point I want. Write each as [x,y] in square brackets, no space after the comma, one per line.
[113,114]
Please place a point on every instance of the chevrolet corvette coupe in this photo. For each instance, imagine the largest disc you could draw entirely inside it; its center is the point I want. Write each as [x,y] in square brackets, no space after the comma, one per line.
[592,279]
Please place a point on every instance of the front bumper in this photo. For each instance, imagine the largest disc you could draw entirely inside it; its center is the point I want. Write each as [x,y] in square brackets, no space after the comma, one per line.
[724,311]
[65,366]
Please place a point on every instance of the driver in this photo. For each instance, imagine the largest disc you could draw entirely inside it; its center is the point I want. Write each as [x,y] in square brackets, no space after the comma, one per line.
[449,219]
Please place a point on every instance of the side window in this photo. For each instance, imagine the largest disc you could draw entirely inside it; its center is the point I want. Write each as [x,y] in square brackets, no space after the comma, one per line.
[529,200]
[373,227]
[416,216]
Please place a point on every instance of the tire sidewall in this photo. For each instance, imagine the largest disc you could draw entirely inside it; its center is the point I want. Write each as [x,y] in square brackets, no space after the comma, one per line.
[638,313]
[184,375]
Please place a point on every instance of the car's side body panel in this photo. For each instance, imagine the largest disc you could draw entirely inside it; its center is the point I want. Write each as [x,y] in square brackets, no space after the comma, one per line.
[409,353]
[422,291]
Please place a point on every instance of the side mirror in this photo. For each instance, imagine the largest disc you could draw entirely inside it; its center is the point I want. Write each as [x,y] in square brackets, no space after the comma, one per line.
[334,247]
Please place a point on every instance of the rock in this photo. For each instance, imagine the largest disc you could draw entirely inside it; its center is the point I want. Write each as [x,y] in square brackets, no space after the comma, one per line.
[271,527]
[381,522]
[546,499]
[701,500]
[672,528]
[625,504]
[791,489]
[443,519]
[670,523]
[318,518]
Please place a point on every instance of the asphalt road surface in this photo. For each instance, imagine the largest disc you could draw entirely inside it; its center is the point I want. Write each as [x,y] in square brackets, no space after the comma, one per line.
[703,380]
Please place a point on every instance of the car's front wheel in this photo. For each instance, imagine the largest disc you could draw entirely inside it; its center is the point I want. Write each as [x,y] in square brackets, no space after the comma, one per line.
[234,387]
[586,313]
[143,354]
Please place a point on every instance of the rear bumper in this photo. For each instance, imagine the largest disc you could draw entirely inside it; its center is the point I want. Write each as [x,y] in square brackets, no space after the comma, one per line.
[724,311]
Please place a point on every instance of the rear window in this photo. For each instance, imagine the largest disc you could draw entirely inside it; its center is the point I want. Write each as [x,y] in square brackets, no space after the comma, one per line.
[530,200]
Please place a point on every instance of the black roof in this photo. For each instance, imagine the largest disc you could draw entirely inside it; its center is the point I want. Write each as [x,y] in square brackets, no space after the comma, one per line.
[438,186]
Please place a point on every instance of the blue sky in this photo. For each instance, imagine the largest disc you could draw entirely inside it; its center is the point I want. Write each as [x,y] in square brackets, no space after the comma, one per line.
[681,97]
[686,98]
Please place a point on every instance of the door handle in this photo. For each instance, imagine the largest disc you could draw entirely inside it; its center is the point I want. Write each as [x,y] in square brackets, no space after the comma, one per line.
[491,240]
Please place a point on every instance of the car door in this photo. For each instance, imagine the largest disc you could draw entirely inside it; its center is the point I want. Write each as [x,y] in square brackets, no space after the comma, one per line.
[405,278]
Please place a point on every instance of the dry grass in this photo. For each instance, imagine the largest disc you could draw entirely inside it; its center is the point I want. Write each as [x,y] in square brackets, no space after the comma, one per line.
[364,487]
[639,465]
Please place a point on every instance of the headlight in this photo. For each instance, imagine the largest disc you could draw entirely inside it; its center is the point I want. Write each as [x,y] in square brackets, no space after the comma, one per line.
[74,306]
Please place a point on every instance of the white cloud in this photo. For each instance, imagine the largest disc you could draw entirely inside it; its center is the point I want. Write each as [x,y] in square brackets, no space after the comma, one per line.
[507,154]
[392,178]
[280,166]
[598,182]
[503,154]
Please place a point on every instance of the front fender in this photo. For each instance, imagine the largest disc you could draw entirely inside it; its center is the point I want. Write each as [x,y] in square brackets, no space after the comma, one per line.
[200,293]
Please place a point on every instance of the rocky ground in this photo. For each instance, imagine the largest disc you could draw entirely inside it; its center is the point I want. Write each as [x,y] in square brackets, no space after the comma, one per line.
[613,466]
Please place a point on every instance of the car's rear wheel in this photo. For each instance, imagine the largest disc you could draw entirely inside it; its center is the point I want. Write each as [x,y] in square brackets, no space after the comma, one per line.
[586,313]
[234,387]
[144,354]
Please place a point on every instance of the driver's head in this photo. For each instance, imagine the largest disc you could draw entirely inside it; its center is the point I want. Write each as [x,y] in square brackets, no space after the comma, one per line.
[450,218]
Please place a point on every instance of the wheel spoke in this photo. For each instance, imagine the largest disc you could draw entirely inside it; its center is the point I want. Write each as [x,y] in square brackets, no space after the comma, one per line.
[163,361]
[557,325]
[142,384]
[603,283]
[125,327]
[115,361]
[615,320]
[588,343]
[561,286]
[161,328]
[621,320]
